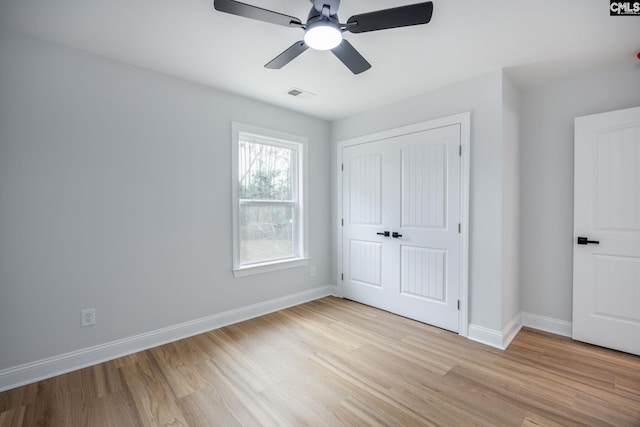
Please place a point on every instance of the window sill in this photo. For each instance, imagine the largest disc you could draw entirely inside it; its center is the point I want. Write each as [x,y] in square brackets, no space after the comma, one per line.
[269,266]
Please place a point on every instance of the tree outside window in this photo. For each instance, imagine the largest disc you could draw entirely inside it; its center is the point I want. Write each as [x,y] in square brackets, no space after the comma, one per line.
[269,200]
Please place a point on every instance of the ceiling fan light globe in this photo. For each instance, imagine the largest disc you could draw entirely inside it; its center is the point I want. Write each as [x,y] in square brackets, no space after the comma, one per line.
[322,37]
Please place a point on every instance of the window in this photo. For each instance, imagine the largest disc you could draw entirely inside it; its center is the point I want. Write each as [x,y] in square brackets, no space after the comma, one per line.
[268,192]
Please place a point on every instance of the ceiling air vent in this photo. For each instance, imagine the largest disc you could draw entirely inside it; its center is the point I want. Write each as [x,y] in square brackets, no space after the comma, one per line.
[299,93]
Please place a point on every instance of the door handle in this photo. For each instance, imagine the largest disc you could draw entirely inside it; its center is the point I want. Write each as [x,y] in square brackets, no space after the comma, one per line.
[585,241]
[385,234]
[395,235]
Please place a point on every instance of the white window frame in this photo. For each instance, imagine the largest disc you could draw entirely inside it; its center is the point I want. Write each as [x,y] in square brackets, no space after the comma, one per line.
[301,232]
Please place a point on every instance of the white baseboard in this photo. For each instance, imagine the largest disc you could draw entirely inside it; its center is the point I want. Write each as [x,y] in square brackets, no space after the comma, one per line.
[333,290]
[548,324]
[63,363]
[485,336]
[511,330]
[502,339]
[494,338]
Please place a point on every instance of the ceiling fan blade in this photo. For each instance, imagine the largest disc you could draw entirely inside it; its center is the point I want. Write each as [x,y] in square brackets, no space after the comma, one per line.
[253,12]
[403,16]
[351,57]
[287,56]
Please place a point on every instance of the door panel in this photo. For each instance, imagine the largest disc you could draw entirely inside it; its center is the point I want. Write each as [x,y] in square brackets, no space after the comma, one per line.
[366,262]
[424,178]
[618,184]
[616,288]
[606,287]
[365,174]
[423,273]
[410,185]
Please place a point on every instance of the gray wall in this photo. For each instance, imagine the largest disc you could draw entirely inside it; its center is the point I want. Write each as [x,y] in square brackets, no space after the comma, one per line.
[547,180]
[115,194]
[511,162]
[482,97]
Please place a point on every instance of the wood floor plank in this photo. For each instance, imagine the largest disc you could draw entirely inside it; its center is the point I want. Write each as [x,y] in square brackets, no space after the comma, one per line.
[230,357]
[112,410]
[207,407]
[305,403]
[333,362]
[18,396]
[239,398]
[382,405]
[61,400]
[12,417]
[536,420]
[519,393]
[176,364]
[352,414]
[627,385]
[151,395]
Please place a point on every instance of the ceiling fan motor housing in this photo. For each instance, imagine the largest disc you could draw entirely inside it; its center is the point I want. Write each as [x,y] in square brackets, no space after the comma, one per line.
[322,17]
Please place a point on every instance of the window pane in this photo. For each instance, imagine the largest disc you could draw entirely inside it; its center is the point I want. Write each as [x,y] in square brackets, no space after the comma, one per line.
[265,171]
[266,232]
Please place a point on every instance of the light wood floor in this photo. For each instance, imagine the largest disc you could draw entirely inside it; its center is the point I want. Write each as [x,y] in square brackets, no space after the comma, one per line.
[335,362]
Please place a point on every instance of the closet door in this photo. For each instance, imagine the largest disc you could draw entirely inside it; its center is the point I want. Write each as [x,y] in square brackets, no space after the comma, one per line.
[401,212]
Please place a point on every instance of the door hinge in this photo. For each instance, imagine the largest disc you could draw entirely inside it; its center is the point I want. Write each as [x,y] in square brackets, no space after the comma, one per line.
[342,168]
[341,276]
[459,228]
[460,151]
[458,304]
[342,221]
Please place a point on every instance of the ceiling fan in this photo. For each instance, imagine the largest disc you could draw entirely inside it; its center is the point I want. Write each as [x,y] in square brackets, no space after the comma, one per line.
[323,30]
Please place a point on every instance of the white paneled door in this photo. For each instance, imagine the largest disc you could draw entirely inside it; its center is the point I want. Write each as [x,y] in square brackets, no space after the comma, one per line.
[401,210]
[606,255]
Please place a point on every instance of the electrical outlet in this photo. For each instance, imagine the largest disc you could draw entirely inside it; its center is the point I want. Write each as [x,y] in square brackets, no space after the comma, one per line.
[88,317]
[312,271]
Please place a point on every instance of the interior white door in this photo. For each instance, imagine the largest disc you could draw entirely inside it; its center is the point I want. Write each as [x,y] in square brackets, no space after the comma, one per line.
[606,256]
[367,260]
[401,210]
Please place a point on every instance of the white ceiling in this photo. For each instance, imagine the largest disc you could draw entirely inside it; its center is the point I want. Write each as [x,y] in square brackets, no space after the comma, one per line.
[537,41]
